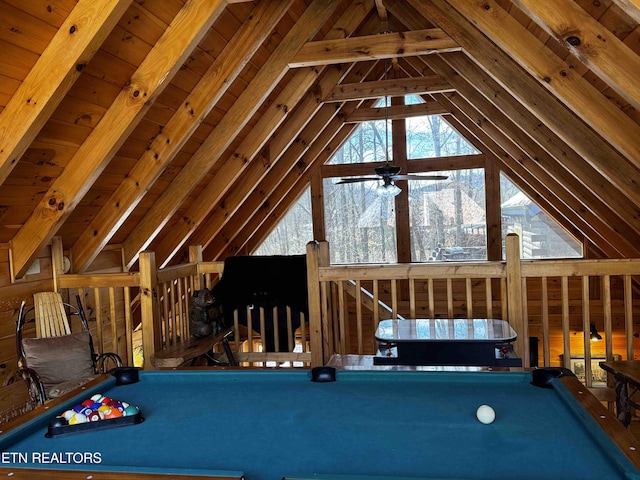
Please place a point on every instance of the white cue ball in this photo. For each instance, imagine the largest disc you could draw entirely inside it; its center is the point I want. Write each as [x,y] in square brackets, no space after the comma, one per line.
[486,414]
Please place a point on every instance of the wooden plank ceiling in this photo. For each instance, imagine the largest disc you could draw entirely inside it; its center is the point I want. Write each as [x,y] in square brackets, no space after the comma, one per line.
[156,124]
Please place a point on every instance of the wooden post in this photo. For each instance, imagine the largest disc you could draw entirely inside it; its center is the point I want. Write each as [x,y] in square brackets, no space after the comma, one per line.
[317,256]
[195,256]
[515,306]
[57,260]
[317,205]
[149,307]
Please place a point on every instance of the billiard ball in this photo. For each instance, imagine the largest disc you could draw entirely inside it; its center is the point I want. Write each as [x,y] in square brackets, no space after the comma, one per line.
[94,417]
[485,414]
[131,410]
[78,418]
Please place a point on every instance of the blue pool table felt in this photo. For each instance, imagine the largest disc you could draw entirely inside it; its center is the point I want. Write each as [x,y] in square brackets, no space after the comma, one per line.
[370,424]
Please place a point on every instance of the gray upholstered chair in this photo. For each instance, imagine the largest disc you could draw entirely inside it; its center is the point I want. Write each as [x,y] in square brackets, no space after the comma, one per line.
[57,360]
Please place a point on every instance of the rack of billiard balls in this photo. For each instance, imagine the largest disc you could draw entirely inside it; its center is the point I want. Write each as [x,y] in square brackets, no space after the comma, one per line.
[94,413]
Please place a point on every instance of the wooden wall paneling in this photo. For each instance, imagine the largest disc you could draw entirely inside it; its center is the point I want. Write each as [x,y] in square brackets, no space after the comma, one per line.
[174,134]
[48,81]
[14,400]
[631,7]
[237,116]
[15,62]
[161,63]
[25,30]
[53,14]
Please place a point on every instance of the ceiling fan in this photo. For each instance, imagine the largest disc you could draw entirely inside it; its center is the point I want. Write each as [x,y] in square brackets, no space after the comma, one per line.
[389,174]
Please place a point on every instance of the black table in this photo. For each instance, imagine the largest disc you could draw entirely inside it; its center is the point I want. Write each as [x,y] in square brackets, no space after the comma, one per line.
[460,341]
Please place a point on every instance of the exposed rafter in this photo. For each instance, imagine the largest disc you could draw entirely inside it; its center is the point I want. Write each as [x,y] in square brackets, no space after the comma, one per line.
[393,87]
[177,131]
[213,154]
[396,112]
[237,116]
[385,45]
[53,75]
[117,123]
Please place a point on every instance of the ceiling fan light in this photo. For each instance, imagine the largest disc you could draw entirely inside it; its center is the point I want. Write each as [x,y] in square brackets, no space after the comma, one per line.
[388,190]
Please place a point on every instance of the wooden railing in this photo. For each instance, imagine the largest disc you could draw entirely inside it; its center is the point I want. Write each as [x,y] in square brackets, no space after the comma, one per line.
[553,302]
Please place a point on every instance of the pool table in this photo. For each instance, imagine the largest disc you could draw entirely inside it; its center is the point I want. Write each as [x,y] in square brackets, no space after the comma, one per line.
[328,424]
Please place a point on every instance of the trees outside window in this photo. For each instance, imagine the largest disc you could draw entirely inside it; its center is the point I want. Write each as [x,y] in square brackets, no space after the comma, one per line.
[540,235]
[293,232]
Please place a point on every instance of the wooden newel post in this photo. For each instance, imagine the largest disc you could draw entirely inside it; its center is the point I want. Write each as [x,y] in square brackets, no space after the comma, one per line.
[515,305]
[149,307]
[316,259]
[195,256]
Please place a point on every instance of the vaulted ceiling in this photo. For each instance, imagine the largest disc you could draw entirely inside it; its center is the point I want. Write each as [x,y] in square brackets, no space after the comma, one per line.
[158,124]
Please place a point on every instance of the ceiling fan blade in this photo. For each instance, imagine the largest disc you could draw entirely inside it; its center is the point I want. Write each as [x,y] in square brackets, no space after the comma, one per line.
[357,179]
[419,177]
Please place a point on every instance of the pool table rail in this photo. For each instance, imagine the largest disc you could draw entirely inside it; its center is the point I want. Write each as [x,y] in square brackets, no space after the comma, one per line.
[43,474]
[628,444]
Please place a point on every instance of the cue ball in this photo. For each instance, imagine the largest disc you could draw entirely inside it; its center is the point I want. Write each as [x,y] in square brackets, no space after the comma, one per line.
[486,414]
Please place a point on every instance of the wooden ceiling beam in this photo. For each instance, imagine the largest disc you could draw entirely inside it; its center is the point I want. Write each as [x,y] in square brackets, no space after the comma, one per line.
[392,88]
[534,97]
[264,181]
[584,188]
[383,16]
[263,212]
[371,47]
[221,198]
[314,16]
[454,162]
[396,112]
[57,68]
[594,45]
[302,115]
[630,7]
[517,124]
[156,70]
[186,119]
[552,73]
[594,190]
[544,188]
[225,172]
